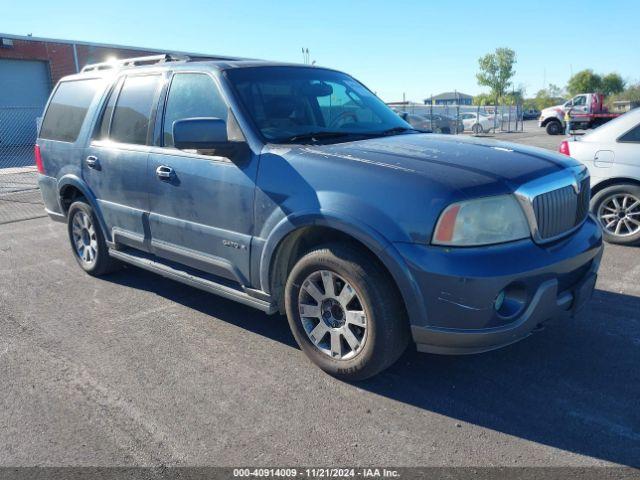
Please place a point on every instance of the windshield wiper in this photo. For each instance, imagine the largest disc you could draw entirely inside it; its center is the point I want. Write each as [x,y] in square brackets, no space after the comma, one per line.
[315,136]
[396,130]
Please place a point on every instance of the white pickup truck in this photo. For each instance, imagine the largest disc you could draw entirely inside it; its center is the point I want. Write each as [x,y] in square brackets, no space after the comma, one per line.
[586,110]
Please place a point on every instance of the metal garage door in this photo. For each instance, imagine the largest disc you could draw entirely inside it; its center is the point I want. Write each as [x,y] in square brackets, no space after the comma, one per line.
[24,88]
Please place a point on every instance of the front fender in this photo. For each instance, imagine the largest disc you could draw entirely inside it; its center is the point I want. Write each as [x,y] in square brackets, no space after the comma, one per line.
[374,240]
[72,180]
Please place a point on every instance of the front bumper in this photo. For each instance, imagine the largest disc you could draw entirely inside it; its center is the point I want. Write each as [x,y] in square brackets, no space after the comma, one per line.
[460,288]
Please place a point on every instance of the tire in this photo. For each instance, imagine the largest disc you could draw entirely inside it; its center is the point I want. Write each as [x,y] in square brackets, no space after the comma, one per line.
[379,333]
[87,240]
[477,129]
[554,128]
[616,210]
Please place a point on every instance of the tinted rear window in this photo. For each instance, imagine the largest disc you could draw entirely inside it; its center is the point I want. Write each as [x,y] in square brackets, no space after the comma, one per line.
[67,110]
[130,123]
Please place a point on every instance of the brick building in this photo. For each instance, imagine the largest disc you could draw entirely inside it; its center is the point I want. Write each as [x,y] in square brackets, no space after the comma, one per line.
[63,57]
[30,67]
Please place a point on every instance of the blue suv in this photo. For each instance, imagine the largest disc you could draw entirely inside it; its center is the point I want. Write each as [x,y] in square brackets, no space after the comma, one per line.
[294,189]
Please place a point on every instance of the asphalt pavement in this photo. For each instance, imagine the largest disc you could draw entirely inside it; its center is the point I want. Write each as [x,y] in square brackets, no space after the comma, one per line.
[135,369]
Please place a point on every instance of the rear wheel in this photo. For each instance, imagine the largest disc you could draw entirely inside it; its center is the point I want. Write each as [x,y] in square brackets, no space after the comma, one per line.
[617,209]
[554,127]
[345,312]
[477,128]
[87,240]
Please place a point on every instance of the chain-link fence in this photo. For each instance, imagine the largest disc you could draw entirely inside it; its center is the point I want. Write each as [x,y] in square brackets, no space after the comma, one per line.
[458,119]
[19,195]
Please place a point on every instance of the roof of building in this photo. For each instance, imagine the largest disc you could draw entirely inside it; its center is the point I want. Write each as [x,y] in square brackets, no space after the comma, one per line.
[450,96]
[29,38]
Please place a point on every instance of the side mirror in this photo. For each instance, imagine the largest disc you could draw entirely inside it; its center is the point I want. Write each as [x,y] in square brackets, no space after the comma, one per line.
[206,133]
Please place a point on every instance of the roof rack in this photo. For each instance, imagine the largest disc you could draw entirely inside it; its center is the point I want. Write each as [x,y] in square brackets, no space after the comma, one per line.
[150,60]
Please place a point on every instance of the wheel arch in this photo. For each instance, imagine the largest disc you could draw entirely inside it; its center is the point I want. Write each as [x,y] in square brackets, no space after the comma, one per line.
[71,187]
[292,237]
[609,182]
[548,120]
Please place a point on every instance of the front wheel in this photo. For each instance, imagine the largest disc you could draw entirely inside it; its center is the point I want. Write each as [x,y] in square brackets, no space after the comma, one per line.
[345,312]
[477,129]
[617,209]
[554,128]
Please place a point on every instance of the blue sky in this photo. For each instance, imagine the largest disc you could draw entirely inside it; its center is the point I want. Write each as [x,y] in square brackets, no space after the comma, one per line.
[394,47]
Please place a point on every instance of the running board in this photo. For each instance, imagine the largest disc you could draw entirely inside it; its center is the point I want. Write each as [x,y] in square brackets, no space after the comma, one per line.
[193,280]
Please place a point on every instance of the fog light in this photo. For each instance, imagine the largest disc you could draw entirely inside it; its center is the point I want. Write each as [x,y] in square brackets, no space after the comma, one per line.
[499,300]
[511,301]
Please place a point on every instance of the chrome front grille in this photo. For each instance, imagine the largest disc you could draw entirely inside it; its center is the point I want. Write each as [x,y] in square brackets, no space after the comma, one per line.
[560,210]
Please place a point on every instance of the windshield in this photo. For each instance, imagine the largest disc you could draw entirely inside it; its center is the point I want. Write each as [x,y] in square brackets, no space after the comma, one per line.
[291,103]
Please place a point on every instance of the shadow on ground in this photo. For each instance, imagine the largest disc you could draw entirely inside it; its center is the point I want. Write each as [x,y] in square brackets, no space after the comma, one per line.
[573,386]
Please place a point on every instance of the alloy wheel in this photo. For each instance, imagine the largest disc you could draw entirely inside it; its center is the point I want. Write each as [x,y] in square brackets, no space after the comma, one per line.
[619,214]
[85,241]
[332,315]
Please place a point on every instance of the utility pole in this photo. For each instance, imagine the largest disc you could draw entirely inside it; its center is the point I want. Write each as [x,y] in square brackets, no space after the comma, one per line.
[305,56]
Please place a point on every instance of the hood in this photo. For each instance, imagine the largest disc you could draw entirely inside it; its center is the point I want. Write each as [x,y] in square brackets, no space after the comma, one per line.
[477,167]
[552,110]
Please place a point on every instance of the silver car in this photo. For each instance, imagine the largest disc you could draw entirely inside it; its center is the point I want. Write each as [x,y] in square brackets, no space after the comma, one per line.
[612,155]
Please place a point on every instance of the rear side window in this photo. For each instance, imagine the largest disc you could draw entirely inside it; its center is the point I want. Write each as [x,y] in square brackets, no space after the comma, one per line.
[131,116]
[105,121]
[67,110]
[191,95]
[632,135]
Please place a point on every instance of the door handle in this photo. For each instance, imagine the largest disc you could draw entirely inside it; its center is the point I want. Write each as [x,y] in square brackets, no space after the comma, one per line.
[164,173]
[92,161]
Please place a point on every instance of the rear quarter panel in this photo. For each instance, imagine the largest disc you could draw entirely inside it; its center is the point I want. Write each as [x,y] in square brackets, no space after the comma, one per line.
[63,160]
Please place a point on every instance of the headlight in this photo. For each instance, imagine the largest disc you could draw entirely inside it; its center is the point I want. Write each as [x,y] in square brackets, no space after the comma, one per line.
[483,221]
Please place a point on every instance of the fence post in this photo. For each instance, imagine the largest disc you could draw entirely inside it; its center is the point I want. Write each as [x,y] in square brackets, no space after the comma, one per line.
[431,112]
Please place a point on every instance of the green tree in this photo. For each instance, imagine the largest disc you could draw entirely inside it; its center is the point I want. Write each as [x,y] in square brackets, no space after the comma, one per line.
[612,84]
[631,93]
[514,97]
[496,71]
[482,99]
[554,91]
[585,81]
[547,97]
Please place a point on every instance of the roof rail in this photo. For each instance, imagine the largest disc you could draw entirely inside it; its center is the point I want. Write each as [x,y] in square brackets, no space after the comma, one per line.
[133,62]
[150,60]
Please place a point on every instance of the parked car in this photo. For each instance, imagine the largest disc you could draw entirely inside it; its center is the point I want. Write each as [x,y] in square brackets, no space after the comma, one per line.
[530,114]
[416,121]
[294,189]
[612,154]
[477,123]
[455,125]
[435,123]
